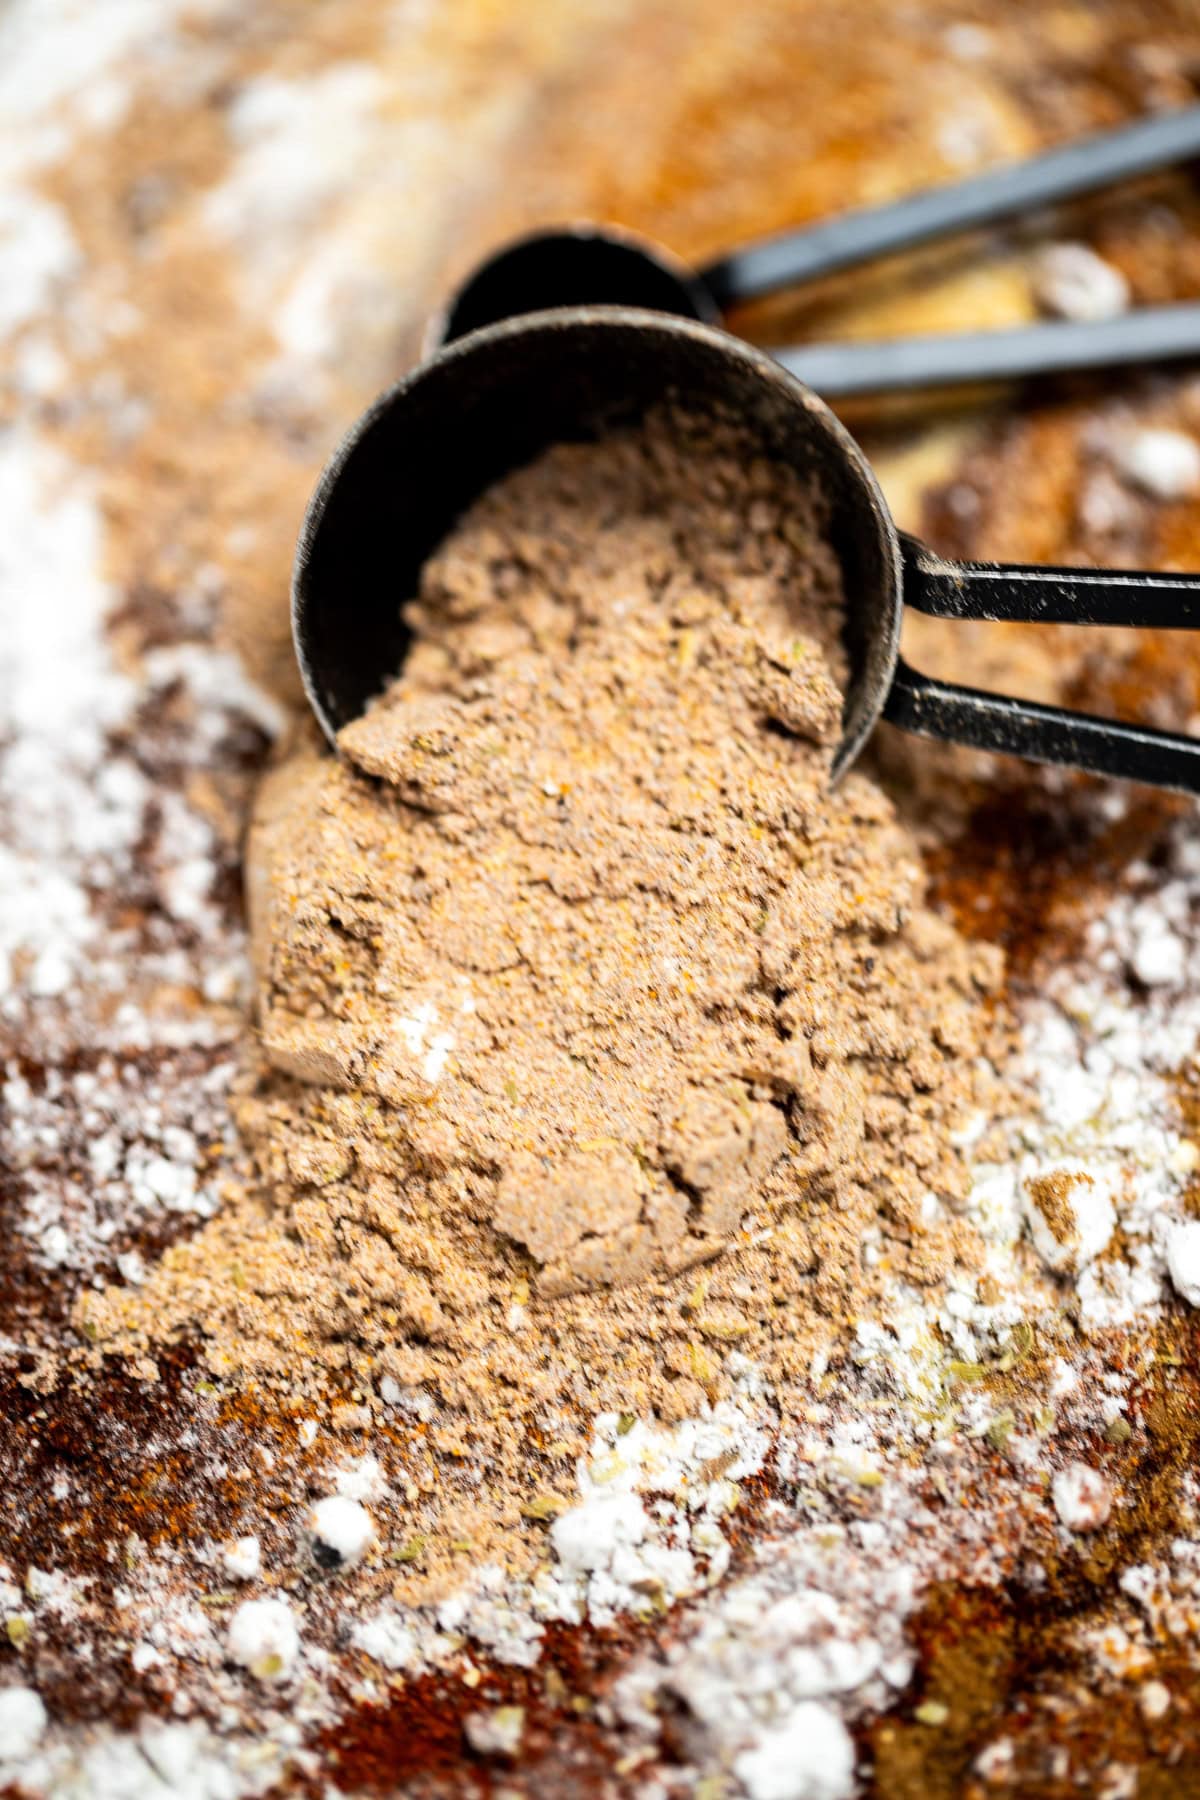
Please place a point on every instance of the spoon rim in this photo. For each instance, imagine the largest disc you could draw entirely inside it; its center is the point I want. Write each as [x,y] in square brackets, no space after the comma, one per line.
[867,687]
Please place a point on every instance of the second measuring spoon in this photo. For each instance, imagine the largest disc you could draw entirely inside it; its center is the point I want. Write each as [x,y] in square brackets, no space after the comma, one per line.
[584,265]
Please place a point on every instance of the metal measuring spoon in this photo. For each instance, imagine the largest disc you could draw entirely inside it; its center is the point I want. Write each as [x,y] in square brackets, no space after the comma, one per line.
[601,265]
[491,402]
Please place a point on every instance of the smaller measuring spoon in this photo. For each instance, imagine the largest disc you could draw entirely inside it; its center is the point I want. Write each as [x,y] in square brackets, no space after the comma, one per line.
[583,265]
[490,403]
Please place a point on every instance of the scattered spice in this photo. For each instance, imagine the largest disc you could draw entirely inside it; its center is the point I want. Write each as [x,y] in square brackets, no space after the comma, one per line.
[573,974]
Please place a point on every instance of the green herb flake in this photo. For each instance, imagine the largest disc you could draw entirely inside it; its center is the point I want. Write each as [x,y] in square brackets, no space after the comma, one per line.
[410,1552]
[966,1371]
[544,1506]
[1000,1429]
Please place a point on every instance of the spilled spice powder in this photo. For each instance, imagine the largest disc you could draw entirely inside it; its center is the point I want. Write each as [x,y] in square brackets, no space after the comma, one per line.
[572,975]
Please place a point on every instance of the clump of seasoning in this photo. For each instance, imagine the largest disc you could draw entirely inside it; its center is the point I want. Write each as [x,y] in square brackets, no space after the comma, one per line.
[600,1040]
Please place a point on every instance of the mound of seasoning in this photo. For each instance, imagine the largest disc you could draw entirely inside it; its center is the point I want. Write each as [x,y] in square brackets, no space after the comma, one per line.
[601,1043]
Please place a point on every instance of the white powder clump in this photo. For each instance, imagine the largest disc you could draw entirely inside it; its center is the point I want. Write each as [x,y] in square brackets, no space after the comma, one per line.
[242,1559]
[590,1535]
[264,1638]
[612,1549]
[387,1639]
[1183,1259]
[495,1733]
[810,1756]
[161,1178]
[1072,282]
[1158,953]
[340,1532]
[363,1479]
[1083,1497]
[994,1762]
[22,1723]
[420,1039]
[1105,506]
[1071,1214]
[1164,464]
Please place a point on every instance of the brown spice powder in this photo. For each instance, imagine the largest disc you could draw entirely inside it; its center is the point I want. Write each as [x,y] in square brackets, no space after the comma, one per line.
[1051,1194]
[572,975]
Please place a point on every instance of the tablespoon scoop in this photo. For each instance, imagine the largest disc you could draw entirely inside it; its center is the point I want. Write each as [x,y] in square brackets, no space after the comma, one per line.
[490,402]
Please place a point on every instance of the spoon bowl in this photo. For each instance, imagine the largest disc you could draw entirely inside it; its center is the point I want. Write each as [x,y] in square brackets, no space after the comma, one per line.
[492,401]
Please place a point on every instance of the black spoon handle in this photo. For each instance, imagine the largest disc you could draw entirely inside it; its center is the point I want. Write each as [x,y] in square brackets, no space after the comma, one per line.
[1080,167]
[1045,734]
[1149,335]
[1048,734]
[1041,594]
